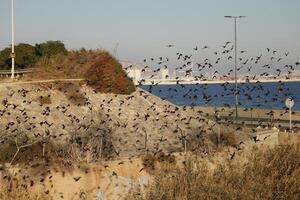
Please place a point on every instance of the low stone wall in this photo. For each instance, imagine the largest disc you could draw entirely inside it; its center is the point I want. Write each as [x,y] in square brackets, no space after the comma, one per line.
[268,137]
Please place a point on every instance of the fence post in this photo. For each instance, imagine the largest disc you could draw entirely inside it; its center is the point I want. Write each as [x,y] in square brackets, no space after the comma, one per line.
[219,137]
[146,140]
[185,144]
[101,141]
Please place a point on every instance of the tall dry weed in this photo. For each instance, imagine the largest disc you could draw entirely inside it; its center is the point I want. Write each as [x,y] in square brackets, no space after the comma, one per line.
[269,174]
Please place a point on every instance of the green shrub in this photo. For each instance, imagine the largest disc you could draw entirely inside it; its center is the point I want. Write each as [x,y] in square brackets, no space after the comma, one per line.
[51,48]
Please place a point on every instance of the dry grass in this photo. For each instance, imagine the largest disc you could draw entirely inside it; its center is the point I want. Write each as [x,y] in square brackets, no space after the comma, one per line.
[226,138]
[106,75]
[229,139]
[72,90]
[77,98]
[269,174]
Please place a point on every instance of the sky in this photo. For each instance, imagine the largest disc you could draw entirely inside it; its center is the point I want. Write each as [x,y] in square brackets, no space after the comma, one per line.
[143,28]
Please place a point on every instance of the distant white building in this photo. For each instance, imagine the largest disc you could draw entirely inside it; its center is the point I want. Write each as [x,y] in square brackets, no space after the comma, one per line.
[133,71]
[134,74]
[164,74]
[297,73]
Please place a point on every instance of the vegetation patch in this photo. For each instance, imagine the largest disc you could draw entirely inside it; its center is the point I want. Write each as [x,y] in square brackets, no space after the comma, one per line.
[44,100]
[28,55]
[226,138]
[106,75]
[269,174]
[150,162]
[77,98]
[7,150]
[51,60]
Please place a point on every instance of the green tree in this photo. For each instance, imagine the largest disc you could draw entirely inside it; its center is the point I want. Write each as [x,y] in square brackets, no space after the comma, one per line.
[51,48]
[25,56]
[5,59]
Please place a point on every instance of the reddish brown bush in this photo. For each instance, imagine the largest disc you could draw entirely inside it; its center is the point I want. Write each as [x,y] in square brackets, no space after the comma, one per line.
[107,75]
[99,68]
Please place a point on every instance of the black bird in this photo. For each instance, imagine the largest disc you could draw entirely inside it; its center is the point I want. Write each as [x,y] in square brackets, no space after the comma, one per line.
[232,155]
[114,173]
[170,45]
[76,179]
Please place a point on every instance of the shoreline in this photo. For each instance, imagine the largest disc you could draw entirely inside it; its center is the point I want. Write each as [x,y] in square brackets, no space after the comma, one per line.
[242,108]
[190,82]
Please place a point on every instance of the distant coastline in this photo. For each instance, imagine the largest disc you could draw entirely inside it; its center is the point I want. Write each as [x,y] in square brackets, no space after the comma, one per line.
[268,95]
[174,81]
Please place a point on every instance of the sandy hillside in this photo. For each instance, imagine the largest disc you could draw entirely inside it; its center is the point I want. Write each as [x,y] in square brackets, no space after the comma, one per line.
[113,125]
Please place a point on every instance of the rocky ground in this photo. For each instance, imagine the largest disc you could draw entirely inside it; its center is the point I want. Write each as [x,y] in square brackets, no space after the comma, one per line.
[107,125]
[86,131]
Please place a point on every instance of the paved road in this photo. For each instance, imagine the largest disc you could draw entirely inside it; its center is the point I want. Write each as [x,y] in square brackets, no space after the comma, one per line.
[254,117]
[261,121]
[9,83]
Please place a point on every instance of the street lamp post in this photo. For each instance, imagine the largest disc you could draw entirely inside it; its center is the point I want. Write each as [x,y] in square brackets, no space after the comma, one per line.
[235,64]
[289,103]
[12,39]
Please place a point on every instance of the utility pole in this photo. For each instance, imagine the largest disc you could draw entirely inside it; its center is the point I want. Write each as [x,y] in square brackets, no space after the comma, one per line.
[235,63]
[116,50]
[12,39]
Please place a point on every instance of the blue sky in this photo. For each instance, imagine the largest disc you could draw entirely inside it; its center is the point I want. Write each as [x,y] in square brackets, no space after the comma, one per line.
[143,28]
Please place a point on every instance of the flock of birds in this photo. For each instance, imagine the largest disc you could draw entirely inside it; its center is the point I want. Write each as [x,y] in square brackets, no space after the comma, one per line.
[272,59]
[108,127]
[252,93]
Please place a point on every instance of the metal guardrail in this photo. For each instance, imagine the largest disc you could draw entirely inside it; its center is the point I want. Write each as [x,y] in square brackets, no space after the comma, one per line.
[21,71]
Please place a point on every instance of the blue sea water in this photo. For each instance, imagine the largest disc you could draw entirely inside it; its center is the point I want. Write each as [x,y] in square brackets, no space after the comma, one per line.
[250,95]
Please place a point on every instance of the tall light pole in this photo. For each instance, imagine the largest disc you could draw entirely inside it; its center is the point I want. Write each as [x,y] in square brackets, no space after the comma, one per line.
[12,39]
[235,64]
